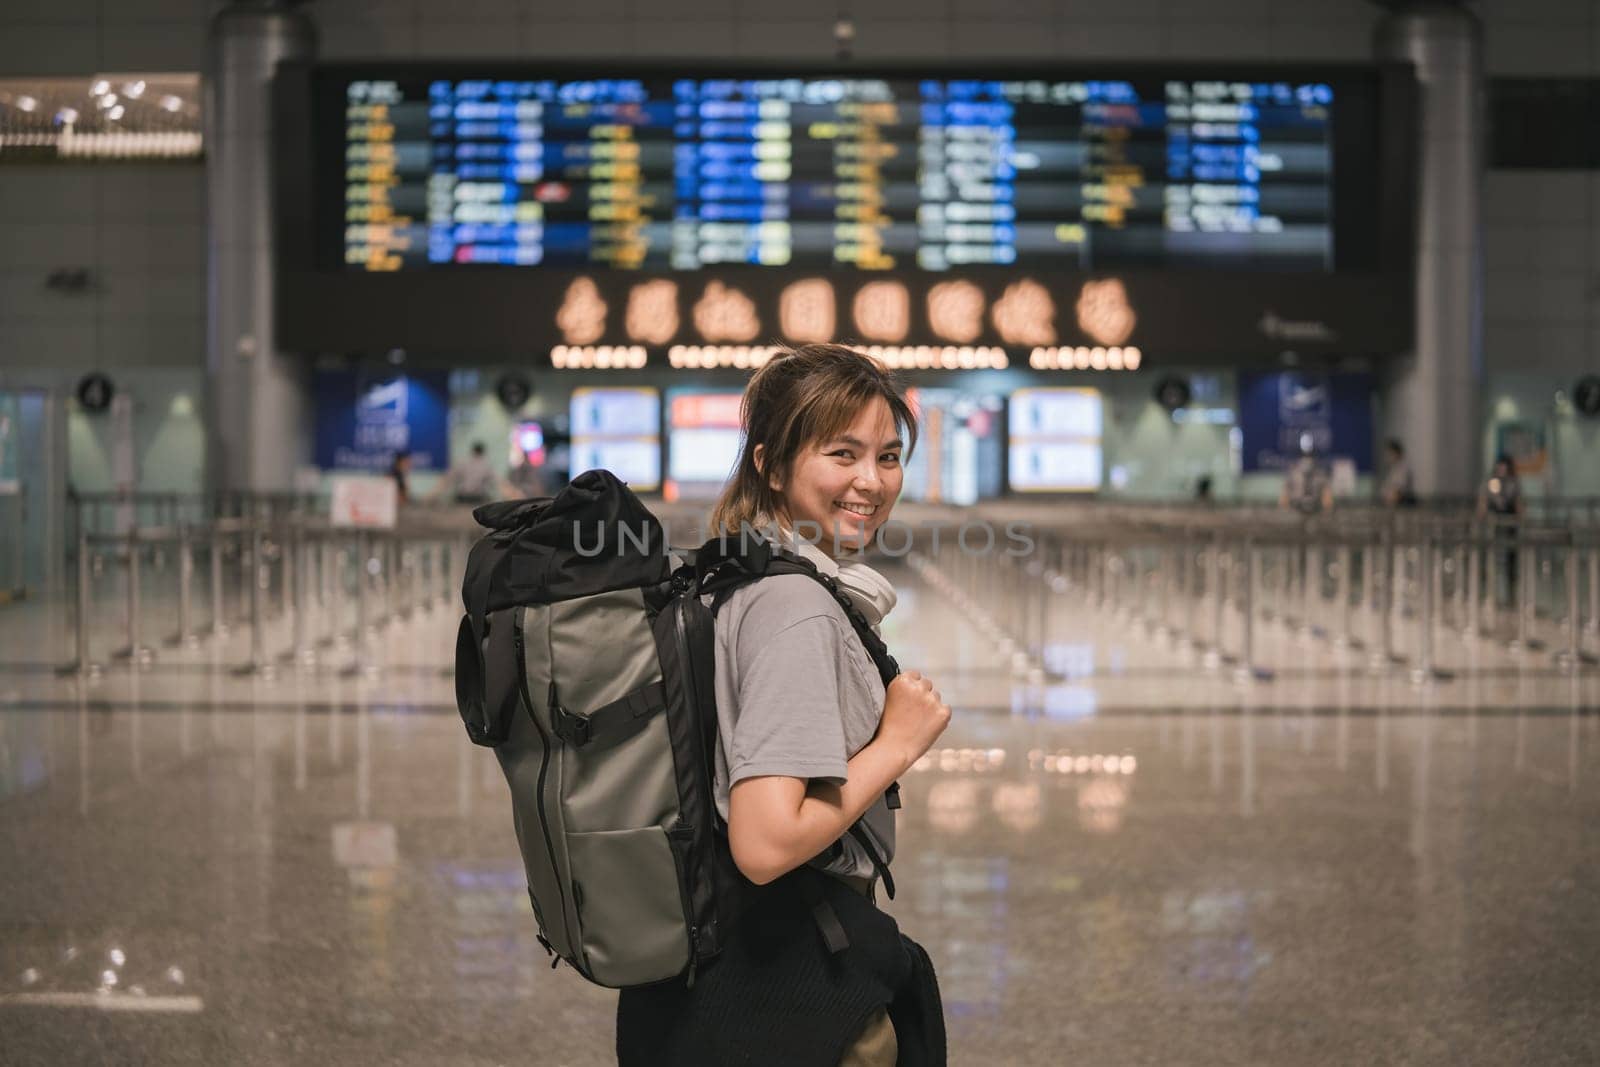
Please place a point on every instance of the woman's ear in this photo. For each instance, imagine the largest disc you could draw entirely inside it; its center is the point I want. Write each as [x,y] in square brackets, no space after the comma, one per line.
[759,457]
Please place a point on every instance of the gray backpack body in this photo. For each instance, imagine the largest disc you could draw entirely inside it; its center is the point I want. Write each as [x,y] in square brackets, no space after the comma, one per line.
[585,661]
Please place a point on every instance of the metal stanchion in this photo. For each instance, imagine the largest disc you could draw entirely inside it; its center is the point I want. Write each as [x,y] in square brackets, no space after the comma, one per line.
[1345,587]
[1491,575]
[325,599]
[81,665]
[1459,584]
[1593,625]
[1384,565]
[1428,574]
[1214,590]
[1193,576]
[246,563]
[1474,585]
[1165,578]
[340,636]
[284,545]
[363,579]
[1573,657]
[423,592]
[1262,588]
[185,635]
[402,582]
[1311,590]
[300,651]
[1371,554]
[134,653]
[1248,670]
[391,579]
[257,574]
[219,621]
[1526,583]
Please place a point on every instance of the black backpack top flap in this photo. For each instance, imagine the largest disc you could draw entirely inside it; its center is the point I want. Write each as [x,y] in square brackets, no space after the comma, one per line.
[510,514]
[594,536]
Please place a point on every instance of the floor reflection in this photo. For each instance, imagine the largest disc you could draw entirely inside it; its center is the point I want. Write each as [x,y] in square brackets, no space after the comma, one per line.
[1127,858]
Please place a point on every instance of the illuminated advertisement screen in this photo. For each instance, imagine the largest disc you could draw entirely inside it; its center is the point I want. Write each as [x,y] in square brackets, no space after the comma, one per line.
[462,168]
[703,441]
[1055,440]
[618,430]
[958,456]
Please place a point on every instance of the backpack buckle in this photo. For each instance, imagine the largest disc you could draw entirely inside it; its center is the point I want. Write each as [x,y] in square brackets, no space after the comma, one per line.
[575,730]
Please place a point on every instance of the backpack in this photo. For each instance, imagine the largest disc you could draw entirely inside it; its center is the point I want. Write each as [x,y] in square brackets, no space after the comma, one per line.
[585,660]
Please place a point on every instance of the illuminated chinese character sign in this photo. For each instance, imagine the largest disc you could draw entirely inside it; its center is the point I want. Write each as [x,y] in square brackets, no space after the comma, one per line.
[1279,412]
[364,420]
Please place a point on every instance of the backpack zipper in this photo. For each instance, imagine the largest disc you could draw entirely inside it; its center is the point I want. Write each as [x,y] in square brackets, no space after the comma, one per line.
[544,769]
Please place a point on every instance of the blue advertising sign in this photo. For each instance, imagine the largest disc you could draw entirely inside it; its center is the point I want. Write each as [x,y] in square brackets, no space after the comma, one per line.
[363,420]
[1277,410]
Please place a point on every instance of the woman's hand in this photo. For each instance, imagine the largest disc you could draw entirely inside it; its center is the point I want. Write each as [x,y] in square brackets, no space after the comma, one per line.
[776,823]
[914,715]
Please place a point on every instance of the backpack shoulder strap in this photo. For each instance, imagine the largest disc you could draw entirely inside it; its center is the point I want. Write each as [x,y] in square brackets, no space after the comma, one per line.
[723,565]
[720,572]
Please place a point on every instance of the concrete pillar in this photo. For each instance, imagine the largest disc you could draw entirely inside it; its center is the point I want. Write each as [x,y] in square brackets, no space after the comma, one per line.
[258,411]
[1432,398]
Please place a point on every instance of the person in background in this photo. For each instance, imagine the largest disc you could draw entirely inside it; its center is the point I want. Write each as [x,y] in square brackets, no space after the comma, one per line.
[472,481]
[400,471]
[1399,490]
[1307,488]
[1502,493]
[1202,489]
[527,480]
[1500,500]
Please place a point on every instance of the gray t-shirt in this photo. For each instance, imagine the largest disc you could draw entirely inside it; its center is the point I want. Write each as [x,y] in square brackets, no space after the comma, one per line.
[797,696]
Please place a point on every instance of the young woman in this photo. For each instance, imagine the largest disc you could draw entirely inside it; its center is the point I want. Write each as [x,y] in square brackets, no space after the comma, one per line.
[809,742]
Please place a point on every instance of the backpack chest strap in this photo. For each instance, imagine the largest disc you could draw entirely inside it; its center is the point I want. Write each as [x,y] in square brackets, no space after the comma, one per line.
[606,724]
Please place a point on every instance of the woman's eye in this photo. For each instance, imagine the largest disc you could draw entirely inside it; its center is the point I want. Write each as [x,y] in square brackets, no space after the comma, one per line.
[890,458]
[843,453]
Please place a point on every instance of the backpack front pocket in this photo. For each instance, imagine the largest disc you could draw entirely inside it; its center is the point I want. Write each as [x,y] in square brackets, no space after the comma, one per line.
[630,906]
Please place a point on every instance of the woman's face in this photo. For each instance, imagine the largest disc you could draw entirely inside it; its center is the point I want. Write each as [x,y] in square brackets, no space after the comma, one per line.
[847,485]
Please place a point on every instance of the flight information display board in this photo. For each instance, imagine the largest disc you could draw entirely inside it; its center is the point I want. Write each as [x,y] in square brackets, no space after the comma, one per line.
[454,170]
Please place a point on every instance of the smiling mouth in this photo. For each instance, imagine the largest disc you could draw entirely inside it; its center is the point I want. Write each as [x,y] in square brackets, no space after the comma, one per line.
[865,511]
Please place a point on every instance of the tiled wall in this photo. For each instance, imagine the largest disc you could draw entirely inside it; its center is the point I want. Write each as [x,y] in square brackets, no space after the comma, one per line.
[140,230]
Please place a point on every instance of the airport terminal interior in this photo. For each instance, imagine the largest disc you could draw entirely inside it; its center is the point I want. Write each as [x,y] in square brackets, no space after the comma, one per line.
[1252,533]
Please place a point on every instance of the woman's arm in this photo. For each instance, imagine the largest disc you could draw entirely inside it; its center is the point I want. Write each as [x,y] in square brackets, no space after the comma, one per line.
[777,823]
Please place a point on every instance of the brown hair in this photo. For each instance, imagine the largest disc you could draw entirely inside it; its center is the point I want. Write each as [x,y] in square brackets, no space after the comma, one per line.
[806,394]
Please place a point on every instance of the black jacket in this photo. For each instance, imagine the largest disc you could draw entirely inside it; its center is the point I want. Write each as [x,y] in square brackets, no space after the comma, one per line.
[779,995]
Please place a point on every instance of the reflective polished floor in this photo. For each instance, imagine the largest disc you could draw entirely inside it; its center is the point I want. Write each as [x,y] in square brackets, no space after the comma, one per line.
[1131,860]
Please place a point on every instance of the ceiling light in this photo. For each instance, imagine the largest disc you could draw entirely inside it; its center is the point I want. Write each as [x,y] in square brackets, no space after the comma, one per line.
[171,103]
[133,90]
[100,88]
[27,103]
